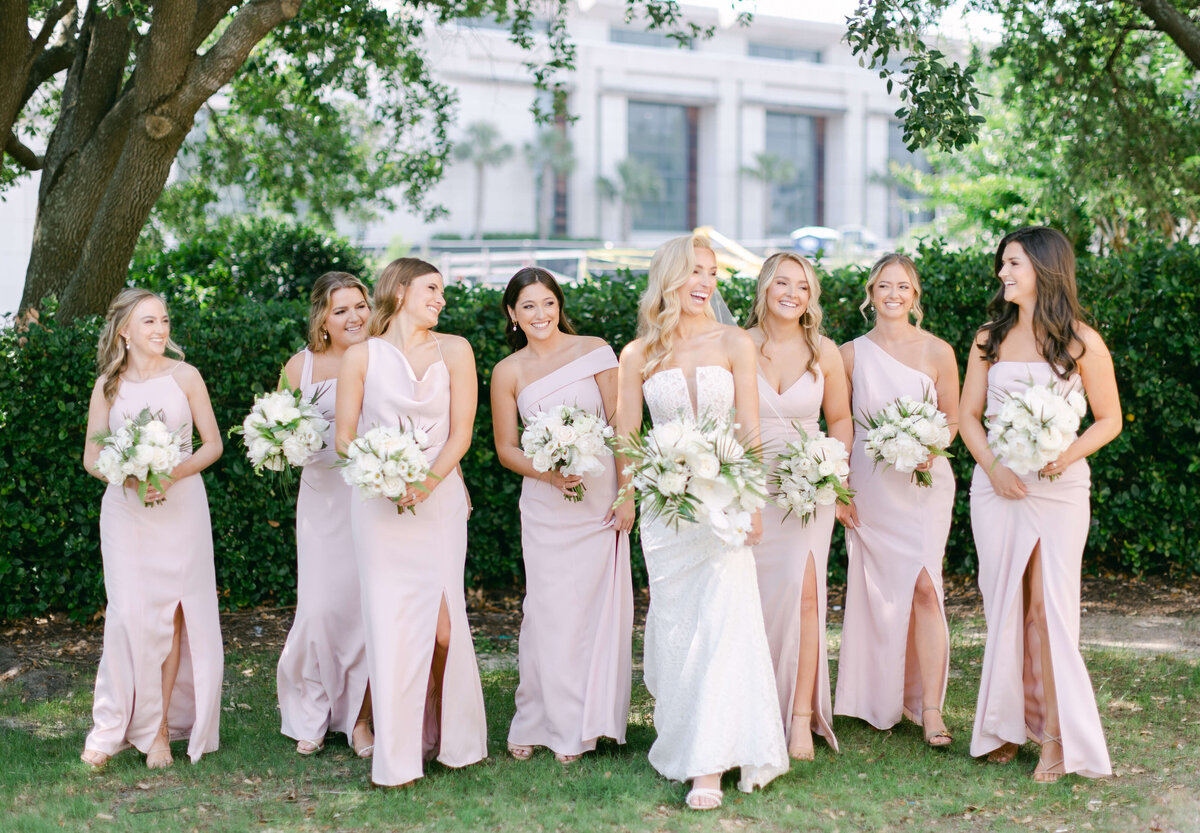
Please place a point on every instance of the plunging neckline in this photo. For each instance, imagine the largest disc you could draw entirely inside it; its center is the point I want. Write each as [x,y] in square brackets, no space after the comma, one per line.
[781,393]
[693,402]
[407,363]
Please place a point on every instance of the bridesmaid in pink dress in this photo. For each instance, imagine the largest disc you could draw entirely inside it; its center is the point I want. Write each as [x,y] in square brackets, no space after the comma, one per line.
[895,654]
[427,700]
[1030,531]
[575,651]
[160,674]
[799,376]
[322,673]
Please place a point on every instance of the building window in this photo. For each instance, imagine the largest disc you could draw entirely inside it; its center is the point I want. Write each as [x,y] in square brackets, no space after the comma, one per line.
[905,206]
[641,37]
[799,140]
[775,52]
[664,138]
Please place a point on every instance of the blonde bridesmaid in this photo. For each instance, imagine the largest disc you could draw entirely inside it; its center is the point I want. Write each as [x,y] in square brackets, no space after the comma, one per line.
[575,645]
[800,377]
[895,656]
[322,673]
[427,701]
[160,674]
[1030,530]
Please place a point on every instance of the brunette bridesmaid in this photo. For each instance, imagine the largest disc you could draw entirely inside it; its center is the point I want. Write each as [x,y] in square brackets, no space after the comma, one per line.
[426,696]
[575,646]
[895,654]
[1030,530]
[322,674]
[800,377]
[160,674]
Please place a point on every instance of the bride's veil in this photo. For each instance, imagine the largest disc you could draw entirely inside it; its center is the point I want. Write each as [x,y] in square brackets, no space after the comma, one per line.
[721,309]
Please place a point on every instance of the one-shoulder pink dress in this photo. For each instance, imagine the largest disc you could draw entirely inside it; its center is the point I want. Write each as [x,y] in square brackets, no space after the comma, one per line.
[1056,514]
[783,553]
[156,559]
[903,530]
[322,673]
[575,654]
[407,564]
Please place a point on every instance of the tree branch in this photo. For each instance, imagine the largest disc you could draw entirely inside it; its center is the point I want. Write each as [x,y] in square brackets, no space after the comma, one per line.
[22,155]
[208,14]
[1176,25]
[48,64]
[52,17]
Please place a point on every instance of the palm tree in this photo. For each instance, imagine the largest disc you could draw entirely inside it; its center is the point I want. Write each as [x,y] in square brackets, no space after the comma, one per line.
[481,147]
[636,183]
[550,155]
[770,169]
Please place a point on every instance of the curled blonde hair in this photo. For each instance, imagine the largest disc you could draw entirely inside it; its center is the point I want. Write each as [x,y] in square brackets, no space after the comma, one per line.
[320,302]
[111,354]
[810,322]
[399,273]
[658,312]
[906,263]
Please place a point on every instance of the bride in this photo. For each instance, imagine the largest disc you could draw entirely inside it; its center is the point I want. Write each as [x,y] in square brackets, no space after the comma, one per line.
[706,658]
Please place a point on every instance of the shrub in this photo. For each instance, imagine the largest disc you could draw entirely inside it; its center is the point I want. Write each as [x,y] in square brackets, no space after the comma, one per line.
[1144,491]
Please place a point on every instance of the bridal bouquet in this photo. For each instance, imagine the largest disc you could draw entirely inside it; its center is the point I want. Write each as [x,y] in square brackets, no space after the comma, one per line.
[568,440]
[282,429]
[1035,426]
[683,471]
[384,462]
[809,474]
[143,448]
[904,433]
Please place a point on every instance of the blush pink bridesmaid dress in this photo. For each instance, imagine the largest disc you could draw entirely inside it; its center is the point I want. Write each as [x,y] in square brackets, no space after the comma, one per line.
[157,558]
[575,654]
[1011,704]
[407,565]
[903,530]
[787,546]
[322,672]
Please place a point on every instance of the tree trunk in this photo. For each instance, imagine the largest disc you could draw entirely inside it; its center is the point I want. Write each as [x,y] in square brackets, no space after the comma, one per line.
[1176,25]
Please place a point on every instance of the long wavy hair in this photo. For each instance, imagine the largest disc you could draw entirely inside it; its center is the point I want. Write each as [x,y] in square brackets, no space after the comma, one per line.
[320,303]
[399,273]
[810,322]
[528,276]
[111,353]
[904,262]
[1056,310]
[658,311]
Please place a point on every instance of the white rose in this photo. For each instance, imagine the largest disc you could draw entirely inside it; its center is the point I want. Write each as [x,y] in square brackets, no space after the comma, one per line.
[671,483]
[825,495]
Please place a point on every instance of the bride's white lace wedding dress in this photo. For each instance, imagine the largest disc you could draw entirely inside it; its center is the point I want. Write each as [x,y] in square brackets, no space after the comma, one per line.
[707,663]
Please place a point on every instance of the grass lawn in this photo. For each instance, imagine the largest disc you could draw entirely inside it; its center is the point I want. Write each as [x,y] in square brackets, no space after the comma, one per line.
[881,780]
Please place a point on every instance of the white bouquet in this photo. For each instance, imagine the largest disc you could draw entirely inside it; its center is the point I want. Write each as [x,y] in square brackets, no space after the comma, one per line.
[568,440]
[384,462]
[904,433]
[144,448]
[1035,426]
[683,471]
[282,429]
[809,474]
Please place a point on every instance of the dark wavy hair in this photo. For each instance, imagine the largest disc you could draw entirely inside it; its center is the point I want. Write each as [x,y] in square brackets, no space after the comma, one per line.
[1056,310]
[528,276]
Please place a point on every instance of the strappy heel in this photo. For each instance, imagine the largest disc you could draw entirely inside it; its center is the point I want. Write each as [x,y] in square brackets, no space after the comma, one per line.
[800,752]
[159,756]
[362,751]
[1006,753]
[1047,775]
[942,737]
[520,751]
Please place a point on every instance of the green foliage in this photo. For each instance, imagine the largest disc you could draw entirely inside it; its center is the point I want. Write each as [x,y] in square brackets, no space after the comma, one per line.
[243,259]
[1144,302]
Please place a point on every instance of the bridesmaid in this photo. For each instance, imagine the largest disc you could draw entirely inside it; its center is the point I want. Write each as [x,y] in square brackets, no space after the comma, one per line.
[160,674]
[1030,531]
[322,674]
[895,642]
[575,649]
[799,376]
[426,696]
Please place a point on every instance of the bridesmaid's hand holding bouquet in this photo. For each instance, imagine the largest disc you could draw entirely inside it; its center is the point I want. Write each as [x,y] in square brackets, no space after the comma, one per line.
[143,449]
[809,474]
[385,462]
[567,440]
[904,433]
[1034,427]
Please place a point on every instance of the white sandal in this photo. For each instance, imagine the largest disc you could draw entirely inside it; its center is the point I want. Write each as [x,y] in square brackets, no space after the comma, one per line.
[698,798]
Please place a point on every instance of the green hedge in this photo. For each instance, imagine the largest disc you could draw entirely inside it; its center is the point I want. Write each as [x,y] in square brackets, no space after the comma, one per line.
[1144,302]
